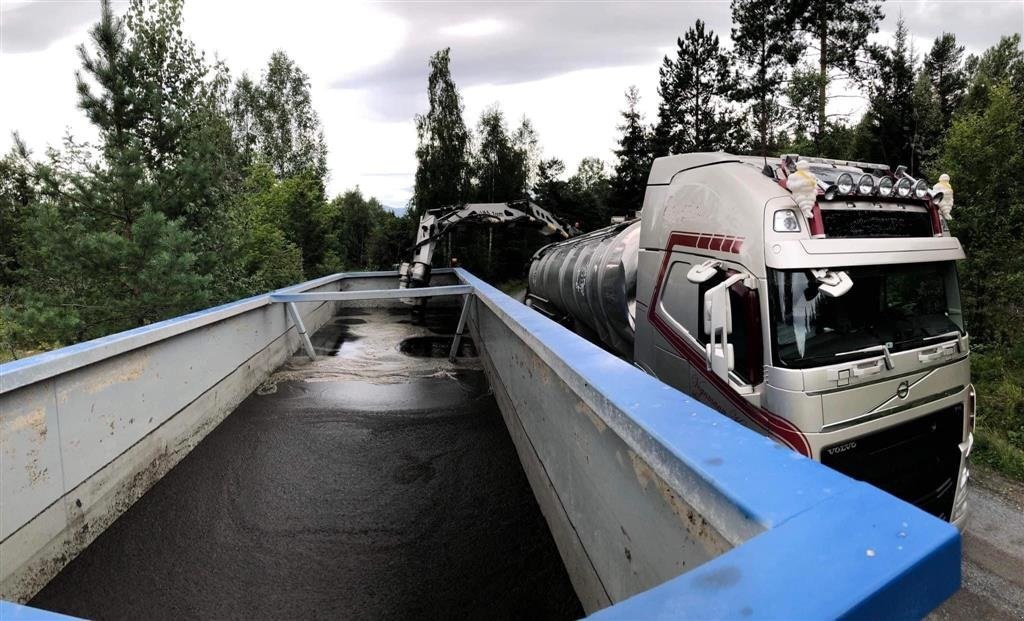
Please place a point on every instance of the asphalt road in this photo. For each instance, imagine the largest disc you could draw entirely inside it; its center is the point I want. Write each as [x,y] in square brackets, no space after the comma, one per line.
[993,553]
[370,484]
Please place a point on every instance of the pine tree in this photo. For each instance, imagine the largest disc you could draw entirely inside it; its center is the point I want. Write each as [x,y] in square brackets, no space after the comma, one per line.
[274,121]
[442,172]
[634,159]
[890,121]
[838,30]
[764,45]
[929,126]
[588,195]
[695,114]
[178,117]
[944,67]
[97,254]
[17,194]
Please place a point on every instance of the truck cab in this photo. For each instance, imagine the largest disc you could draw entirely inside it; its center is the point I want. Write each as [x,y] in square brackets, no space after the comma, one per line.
[840,335]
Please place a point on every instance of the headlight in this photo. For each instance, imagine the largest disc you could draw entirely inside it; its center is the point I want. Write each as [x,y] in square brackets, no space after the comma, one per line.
[885,186]
[921,189]
[866,185]
[786,222]
[844,184]
[903,187]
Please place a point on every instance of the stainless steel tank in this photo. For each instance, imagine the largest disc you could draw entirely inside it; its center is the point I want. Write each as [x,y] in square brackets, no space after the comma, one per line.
[592,279]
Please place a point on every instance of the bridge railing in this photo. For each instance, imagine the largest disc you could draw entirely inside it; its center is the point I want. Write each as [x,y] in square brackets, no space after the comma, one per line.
[663,508]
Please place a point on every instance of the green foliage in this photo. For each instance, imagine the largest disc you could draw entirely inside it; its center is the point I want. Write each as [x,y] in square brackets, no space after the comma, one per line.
[1001,63]
[764,46]
[582,199]
[274,121]
[943,66]
[500,167]
[889,125]
[80,282]
[984,156]
[999,433]
[365,235]
[930,129]
[196,193]
[627,186]
[695,113]
[839,31]
[442,154]
[17,193]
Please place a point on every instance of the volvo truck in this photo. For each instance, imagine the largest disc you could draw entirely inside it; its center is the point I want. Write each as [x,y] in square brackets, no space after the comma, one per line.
[813,300]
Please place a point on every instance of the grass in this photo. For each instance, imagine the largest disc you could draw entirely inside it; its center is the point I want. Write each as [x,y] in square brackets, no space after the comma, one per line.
[999,433]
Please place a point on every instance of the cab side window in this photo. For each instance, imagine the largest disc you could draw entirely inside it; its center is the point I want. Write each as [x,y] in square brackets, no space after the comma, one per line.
[676,294]
[677,300]
[745,337]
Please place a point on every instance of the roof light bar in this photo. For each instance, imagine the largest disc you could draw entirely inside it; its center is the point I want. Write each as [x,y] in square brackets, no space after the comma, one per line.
[793,157]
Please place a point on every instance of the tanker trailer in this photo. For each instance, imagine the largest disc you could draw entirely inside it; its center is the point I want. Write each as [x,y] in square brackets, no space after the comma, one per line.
[813,300]
[592,278]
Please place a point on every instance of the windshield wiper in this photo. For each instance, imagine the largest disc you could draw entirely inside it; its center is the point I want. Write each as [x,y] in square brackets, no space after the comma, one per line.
[952,334]
[883,348]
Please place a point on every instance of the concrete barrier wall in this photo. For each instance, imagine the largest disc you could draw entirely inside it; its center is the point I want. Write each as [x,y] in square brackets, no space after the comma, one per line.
[663,508]
[86,430]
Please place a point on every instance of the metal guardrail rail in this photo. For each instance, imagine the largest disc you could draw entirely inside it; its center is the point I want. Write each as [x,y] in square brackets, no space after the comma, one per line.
[289,299]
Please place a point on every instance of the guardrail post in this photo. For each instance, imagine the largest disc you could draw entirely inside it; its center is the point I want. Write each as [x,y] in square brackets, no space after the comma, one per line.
[297,319]
[460,329]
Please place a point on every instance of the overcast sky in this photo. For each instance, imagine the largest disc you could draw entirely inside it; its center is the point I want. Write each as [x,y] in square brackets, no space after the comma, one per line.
[565,65]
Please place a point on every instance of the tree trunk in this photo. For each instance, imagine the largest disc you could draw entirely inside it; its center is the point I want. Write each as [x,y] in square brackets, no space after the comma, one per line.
[763,77]
[823,82]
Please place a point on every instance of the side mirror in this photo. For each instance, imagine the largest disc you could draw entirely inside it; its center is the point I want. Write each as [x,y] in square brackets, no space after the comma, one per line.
[718,353]
[717,310]
[703,272]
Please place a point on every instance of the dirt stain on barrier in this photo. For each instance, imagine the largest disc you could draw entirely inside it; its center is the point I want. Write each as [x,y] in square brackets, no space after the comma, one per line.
[337,494]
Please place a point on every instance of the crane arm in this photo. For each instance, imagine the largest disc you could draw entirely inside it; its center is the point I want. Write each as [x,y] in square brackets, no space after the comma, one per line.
[435,224]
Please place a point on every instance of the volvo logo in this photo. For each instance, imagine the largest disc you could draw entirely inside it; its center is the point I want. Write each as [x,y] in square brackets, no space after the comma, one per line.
[903,390]
[842,448]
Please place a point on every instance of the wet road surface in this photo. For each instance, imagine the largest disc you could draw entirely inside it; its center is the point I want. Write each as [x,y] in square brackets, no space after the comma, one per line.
[371,484]
[993,552]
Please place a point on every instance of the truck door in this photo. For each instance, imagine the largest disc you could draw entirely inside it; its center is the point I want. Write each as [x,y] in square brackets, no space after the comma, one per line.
[680,360]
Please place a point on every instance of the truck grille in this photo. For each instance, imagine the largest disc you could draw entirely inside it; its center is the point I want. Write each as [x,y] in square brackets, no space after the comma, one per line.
[864,223]
[917,461]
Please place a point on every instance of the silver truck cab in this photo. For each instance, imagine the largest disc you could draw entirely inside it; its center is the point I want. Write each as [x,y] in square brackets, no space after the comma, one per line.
[733,307]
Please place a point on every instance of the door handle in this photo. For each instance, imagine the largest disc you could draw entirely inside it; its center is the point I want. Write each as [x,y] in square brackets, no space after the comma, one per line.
[937,353]
[874,369]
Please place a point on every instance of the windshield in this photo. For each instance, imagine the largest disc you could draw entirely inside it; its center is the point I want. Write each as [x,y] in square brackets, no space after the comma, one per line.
[895,305]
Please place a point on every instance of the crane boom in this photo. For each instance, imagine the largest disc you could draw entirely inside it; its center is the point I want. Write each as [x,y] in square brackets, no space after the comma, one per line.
[437,223]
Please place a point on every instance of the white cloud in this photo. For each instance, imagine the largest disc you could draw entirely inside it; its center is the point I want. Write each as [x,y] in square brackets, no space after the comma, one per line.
[475,28]
[564,65]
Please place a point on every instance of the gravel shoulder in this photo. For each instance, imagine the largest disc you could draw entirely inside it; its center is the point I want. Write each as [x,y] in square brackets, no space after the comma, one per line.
[993,552]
